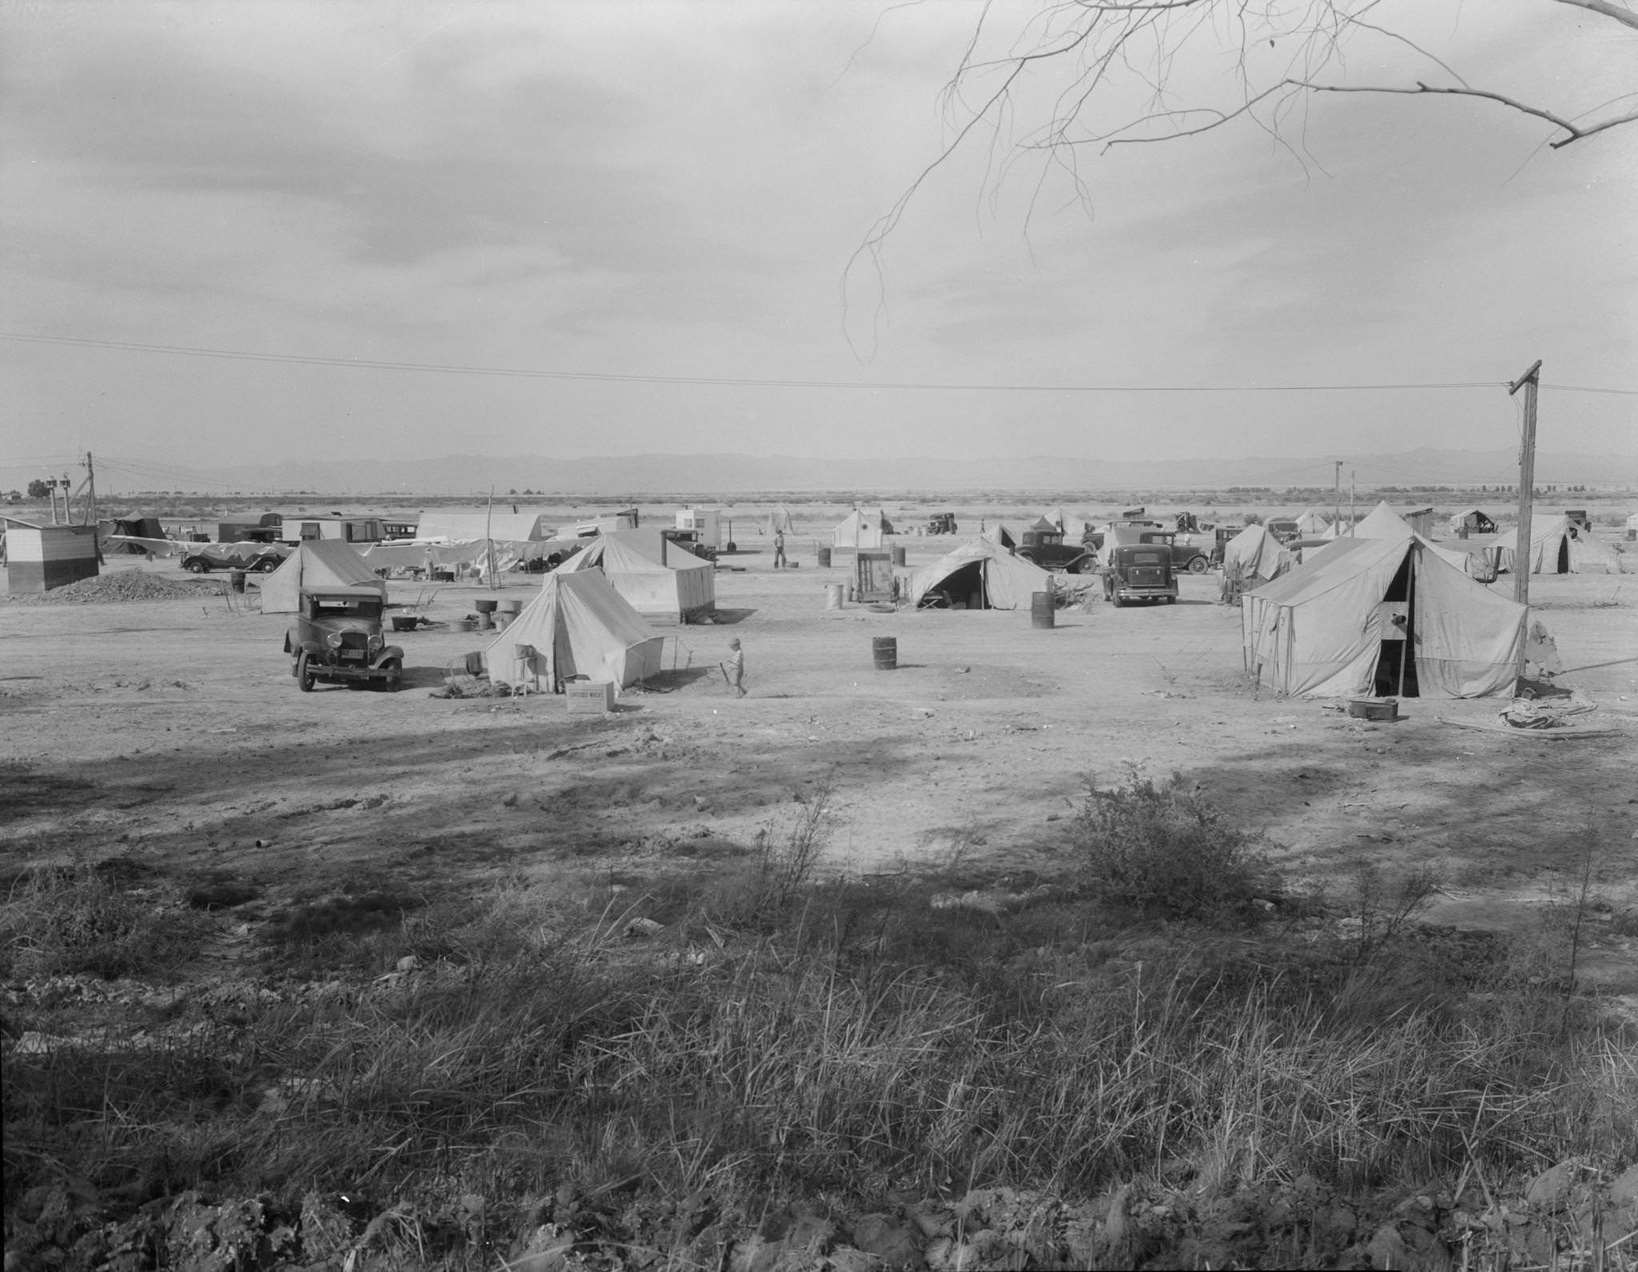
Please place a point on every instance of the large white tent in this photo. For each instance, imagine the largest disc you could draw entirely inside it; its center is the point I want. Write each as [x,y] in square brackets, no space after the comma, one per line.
[1257,555]
[663,581]
[461,527]
[861,529]
[1382,523]
[980,574]
[1558,546]
[1312,524]
[317,563]
[577,625]
[1328,628]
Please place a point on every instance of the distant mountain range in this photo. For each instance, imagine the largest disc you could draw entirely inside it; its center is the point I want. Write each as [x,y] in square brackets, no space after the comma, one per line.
[722,475]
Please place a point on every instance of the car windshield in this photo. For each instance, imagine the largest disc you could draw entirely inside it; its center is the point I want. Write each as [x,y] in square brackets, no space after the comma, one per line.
[1147,558]
[344,607]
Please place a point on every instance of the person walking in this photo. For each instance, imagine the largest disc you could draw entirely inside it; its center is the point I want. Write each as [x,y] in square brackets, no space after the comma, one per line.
[733,668]
[779,549]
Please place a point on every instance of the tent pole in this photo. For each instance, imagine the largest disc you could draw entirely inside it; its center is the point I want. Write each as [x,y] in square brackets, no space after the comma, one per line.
[1529,382]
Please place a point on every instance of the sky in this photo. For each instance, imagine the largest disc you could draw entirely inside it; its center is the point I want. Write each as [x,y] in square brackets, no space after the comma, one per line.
[601,227]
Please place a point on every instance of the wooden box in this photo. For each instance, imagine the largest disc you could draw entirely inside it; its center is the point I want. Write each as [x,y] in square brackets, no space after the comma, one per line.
[588,697]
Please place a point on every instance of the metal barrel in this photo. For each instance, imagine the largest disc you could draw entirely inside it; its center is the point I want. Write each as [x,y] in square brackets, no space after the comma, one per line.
[824,558]
[1041,610]
[885,650]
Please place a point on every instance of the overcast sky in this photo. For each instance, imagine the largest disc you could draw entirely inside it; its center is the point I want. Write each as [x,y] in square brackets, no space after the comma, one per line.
[676,189]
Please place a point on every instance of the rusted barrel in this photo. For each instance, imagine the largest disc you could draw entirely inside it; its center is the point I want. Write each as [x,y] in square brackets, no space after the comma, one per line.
[885,650]
[824,558]
[1041,610]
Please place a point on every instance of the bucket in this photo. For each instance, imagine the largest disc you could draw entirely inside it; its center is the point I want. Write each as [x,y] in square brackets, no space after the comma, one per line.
[898,554]
[824,558]
[1041,610]
[833,596]
[885,650]
[485,606]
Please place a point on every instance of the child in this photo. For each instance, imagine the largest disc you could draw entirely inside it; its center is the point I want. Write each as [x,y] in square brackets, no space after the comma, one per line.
[733,670]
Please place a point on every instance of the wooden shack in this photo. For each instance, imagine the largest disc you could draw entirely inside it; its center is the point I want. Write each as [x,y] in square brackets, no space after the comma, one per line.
[39,558]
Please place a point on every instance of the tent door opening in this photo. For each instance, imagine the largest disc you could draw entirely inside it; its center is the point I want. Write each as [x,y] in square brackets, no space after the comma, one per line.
[1563,555]
[1396,658]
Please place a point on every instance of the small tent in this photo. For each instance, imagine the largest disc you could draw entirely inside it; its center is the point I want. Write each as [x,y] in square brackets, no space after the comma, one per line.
[577,625]
[978,575]
[1257,555]
[1383,615]
[860,529]
[999,535]
[1382,523]
[1074,526]
[1559,546]
[663,581]
[779,521]
[317,563]
[1312,524]
[1473,521]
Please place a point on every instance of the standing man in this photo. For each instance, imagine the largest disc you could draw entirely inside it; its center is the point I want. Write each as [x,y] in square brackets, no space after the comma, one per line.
[779,549]
[733,669]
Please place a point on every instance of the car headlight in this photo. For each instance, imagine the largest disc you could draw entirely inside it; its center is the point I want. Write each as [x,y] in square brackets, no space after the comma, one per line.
[333,640]
[376,644]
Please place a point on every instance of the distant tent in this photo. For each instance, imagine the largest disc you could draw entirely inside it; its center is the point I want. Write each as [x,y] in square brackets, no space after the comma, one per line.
[663,581]
[860,529]
[317,563]
[779,521]
[1073,525]
[1382,523]
[999,535]
[1558,546]
[461,527]
[135,528]
[1312,524]
[978,575]
[1327,628]
[1474,521]
[1257,554]
[577,625]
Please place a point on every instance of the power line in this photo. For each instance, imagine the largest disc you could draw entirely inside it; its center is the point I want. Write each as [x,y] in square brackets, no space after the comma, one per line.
[379,364]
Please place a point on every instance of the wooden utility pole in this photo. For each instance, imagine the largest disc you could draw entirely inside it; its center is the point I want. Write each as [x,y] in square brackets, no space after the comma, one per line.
[91,488]
[1336,493]
[1529,382]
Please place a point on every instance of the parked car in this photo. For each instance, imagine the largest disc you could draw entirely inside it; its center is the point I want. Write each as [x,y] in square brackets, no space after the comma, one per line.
[1047,549]
[1139,572]
[337,637]
[259,558]
[1283,528]
[941,523]
[1187,553]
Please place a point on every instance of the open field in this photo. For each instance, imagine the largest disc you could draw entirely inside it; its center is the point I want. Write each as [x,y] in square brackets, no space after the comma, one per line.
[168,739]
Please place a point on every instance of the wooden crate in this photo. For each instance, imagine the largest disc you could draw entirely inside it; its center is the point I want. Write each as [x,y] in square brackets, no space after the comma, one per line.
[586,697]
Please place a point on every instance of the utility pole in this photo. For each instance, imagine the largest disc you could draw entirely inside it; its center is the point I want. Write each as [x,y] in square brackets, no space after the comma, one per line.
[1529,382]
[1336,493]
[91,485]
[1353,474]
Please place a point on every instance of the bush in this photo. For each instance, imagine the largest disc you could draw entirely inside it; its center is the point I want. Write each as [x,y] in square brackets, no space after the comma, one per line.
[1166,853]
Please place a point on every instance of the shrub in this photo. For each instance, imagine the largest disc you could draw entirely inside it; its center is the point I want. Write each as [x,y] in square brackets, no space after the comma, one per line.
[1166,853]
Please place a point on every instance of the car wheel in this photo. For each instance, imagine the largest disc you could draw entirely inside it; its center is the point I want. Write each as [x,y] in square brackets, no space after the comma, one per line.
[196,565]
[305,679]
[266,565]
[1197,565]
[392,675]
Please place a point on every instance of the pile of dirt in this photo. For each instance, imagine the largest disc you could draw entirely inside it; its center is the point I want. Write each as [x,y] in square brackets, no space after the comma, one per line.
[123,585]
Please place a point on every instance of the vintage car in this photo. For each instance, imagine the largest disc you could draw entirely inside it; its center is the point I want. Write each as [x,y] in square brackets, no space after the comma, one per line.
[337,637]
[1188,551]
[1139,572]
[1046,548]
[259,558]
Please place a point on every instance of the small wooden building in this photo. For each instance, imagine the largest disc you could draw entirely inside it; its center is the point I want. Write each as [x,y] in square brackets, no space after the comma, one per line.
[39,558]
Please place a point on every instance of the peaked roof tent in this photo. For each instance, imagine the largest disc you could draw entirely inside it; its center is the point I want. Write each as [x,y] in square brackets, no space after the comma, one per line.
[980,574]
[577,625]
[317,563]
[661,579]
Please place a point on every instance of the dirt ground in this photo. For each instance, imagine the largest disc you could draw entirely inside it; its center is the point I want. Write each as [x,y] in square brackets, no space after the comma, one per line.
[173,731]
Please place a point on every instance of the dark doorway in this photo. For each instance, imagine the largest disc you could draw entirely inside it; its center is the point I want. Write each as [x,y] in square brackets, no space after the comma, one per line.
[1396,659]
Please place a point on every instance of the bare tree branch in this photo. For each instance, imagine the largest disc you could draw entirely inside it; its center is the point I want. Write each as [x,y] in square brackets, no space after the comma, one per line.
[1627,17]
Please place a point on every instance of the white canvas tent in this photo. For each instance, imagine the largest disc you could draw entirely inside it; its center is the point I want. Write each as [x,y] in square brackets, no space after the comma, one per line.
[979,575]
[1312,524]
[1257,555]
[860,529]
[1382,523]
[577,625]
[1558,547]
[1327,628]
[1473,520]
[1074,527]
[779,521]
[663,581]
[317,563]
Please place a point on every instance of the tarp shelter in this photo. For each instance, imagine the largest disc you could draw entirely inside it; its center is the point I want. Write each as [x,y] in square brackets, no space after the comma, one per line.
[1312,524]
[317,563]
[1348,621]
[1557,546]
[860,529]
[463,527]
[979,575]
[577,625]
[1474,521]
[133,527]
[1257,554]
[663,581]
[998,534]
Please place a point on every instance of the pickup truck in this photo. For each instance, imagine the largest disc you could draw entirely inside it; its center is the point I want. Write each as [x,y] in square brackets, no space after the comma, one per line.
[1139,572]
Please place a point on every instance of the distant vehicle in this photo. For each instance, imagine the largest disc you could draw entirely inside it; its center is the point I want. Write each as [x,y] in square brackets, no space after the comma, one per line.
[1220,537]
[691,540]
[337,637]
[1187,554]
[258,558]
[396,530]
[1283,528]
[941,523]
[294,530]
[1139,572]
[1047,549]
